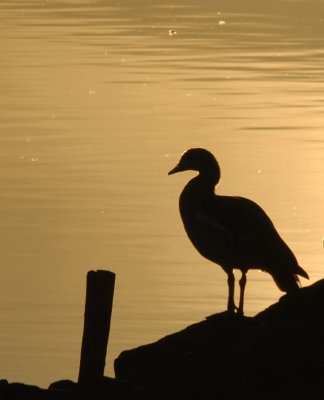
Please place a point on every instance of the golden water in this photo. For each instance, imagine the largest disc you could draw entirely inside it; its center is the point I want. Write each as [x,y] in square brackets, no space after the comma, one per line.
[98,101]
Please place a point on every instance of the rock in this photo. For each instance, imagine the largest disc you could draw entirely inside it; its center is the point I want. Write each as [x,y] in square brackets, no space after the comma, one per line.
[279,352]
[63,385]
[100,389]
[13,391]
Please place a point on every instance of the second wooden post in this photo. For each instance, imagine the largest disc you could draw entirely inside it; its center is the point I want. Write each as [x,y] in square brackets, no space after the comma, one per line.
[98,308]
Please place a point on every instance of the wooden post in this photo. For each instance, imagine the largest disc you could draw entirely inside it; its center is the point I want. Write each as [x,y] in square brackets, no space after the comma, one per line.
[98,308]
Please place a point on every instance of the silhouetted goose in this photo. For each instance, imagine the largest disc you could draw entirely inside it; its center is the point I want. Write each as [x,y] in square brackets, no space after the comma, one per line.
[233,232]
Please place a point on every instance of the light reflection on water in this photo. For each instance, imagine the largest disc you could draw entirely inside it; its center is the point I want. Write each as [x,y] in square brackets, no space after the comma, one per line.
[99,103]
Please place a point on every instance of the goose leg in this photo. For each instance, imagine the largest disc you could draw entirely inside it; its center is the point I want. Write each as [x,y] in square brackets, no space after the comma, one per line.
[231,282]
[242,289]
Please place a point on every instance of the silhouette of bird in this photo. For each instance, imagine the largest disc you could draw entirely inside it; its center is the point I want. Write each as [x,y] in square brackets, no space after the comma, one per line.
[233,232]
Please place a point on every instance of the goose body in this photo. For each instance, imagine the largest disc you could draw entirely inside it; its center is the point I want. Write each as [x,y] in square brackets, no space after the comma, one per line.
[233,232]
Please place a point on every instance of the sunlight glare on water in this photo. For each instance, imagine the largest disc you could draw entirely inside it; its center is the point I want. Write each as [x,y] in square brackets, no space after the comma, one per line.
[99,101]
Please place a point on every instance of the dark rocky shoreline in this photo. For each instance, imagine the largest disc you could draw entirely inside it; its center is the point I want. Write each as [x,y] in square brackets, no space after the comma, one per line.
[277,354]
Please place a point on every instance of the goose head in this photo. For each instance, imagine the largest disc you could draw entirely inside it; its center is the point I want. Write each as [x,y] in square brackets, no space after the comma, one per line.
[201,160]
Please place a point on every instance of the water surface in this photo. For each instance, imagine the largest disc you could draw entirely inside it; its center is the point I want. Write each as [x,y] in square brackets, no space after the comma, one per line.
[99,99]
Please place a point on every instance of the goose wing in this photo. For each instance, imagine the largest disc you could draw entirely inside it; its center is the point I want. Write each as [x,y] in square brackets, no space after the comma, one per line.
[239,217]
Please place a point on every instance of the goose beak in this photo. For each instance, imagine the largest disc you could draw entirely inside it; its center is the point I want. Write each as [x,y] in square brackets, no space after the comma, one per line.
[176,169]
